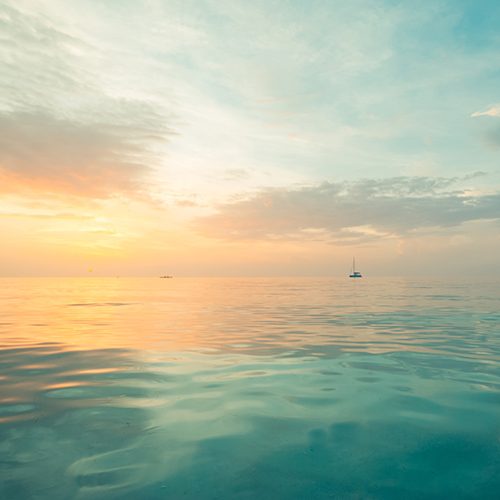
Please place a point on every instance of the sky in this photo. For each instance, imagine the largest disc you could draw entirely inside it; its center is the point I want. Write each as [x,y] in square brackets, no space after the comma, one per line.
[263,138]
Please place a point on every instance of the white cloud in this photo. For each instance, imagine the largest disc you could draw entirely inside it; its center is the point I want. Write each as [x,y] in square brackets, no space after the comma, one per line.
[493,111]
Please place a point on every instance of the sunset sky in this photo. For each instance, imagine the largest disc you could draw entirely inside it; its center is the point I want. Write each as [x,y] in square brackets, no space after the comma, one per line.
[226,137]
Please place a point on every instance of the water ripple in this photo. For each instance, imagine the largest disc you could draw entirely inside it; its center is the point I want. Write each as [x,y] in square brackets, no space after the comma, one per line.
[249,388]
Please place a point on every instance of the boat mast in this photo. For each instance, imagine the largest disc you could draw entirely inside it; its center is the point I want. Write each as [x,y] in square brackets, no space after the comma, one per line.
[353,265]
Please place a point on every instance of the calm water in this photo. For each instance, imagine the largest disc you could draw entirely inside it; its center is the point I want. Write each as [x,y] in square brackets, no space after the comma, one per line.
[249,388]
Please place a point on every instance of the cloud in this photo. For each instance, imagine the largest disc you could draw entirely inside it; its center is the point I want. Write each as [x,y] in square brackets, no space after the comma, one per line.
[41,152]
[493,111]
[39,61]
[61,130]
[236,174]
[46,216]
[187,203]
[491,136]
[351,211]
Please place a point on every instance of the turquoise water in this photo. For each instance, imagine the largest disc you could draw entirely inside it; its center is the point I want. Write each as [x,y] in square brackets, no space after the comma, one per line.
[249,388]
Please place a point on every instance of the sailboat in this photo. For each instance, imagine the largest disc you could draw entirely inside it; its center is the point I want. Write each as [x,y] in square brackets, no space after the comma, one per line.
[354,274]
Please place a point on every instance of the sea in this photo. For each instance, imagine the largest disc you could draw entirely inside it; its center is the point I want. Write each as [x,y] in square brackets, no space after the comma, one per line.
[249,388]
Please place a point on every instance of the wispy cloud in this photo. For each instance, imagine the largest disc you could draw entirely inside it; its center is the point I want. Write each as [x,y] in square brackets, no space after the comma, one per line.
[41,152]
[60,130]
[355,211]
[493,111]
[491,135]
[45,216]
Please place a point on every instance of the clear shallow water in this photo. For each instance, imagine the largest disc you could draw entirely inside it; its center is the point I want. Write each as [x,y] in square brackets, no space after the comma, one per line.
[249,388]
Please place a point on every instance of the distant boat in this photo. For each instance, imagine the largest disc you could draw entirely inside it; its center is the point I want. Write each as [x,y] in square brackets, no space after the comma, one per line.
[354,274]
[166,276]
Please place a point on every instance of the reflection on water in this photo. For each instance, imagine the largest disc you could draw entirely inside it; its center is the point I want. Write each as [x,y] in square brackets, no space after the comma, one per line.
[249,388]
